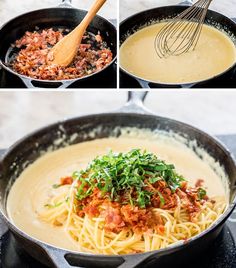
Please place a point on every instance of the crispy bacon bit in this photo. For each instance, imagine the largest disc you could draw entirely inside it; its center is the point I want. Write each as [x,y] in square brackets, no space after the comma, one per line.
[98,38]
[32,59]
[113,219]
[161,229]
[199,183]
[92,210]
[66,180]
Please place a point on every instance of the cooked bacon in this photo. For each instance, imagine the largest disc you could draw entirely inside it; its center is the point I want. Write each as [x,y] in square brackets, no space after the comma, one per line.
[121,214]
[98,38]
[113,219]
[92,210]
[190,202]
[199,183]
[32,59]
[66,180]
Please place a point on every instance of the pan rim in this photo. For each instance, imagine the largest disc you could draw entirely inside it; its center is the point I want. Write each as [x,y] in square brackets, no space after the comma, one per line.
[179,245]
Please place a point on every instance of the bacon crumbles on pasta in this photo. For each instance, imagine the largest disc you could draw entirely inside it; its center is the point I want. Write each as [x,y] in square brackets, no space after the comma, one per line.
[128,203]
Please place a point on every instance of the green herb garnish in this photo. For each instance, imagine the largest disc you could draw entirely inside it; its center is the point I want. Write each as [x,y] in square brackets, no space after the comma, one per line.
[115,174]
[55,186]
[53,205]
[201,193]
[161,198]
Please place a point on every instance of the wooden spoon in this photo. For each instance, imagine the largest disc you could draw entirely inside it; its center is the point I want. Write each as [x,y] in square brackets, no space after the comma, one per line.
[65,50]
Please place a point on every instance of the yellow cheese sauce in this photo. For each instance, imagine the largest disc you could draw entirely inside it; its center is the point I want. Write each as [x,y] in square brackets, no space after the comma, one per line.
[33,188]
[215,52]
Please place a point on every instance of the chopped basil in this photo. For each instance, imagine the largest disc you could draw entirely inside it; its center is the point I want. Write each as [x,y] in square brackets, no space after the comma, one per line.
[161,198]
[53,205]
[115,174]
[55,186]
[201,193]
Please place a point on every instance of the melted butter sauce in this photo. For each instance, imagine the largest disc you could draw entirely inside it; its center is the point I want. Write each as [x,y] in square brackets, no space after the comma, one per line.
[33,188]
[214,53]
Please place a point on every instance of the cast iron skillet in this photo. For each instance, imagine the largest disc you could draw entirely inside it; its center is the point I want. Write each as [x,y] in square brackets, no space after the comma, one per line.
[137,21]
[133,114]
[66,16]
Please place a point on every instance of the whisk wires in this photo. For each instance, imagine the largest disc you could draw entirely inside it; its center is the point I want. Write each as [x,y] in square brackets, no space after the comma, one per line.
[181,34]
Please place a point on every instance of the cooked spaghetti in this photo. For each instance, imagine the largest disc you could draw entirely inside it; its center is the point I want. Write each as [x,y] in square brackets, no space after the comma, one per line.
[129,203]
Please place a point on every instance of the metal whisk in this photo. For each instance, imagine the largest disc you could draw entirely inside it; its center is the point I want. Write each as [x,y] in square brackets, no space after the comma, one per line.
[181,34]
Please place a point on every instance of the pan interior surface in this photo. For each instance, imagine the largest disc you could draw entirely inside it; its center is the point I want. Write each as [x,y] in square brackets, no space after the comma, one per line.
[169,145]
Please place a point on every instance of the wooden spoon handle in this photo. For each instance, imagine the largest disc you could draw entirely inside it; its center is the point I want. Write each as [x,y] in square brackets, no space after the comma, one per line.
[91,13]
[65,50]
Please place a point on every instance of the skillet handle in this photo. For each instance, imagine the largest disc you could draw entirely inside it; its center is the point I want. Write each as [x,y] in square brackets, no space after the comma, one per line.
[57,256]
[39,85]
[146,85]
[132,262]
[143,83]
[135,103]
[190,85]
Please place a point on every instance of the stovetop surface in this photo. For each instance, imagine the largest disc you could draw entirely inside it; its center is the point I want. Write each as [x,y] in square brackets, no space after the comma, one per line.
[221,254]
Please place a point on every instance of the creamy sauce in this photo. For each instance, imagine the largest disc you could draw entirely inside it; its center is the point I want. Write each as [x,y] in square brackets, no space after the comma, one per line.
[214,53]
[33,188]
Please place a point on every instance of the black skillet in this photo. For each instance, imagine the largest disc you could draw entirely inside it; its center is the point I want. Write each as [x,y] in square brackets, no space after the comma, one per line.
[65,16]
[144,18]
[133,114]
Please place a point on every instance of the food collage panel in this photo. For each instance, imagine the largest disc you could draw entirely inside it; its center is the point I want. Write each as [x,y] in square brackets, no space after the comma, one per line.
[118,133]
